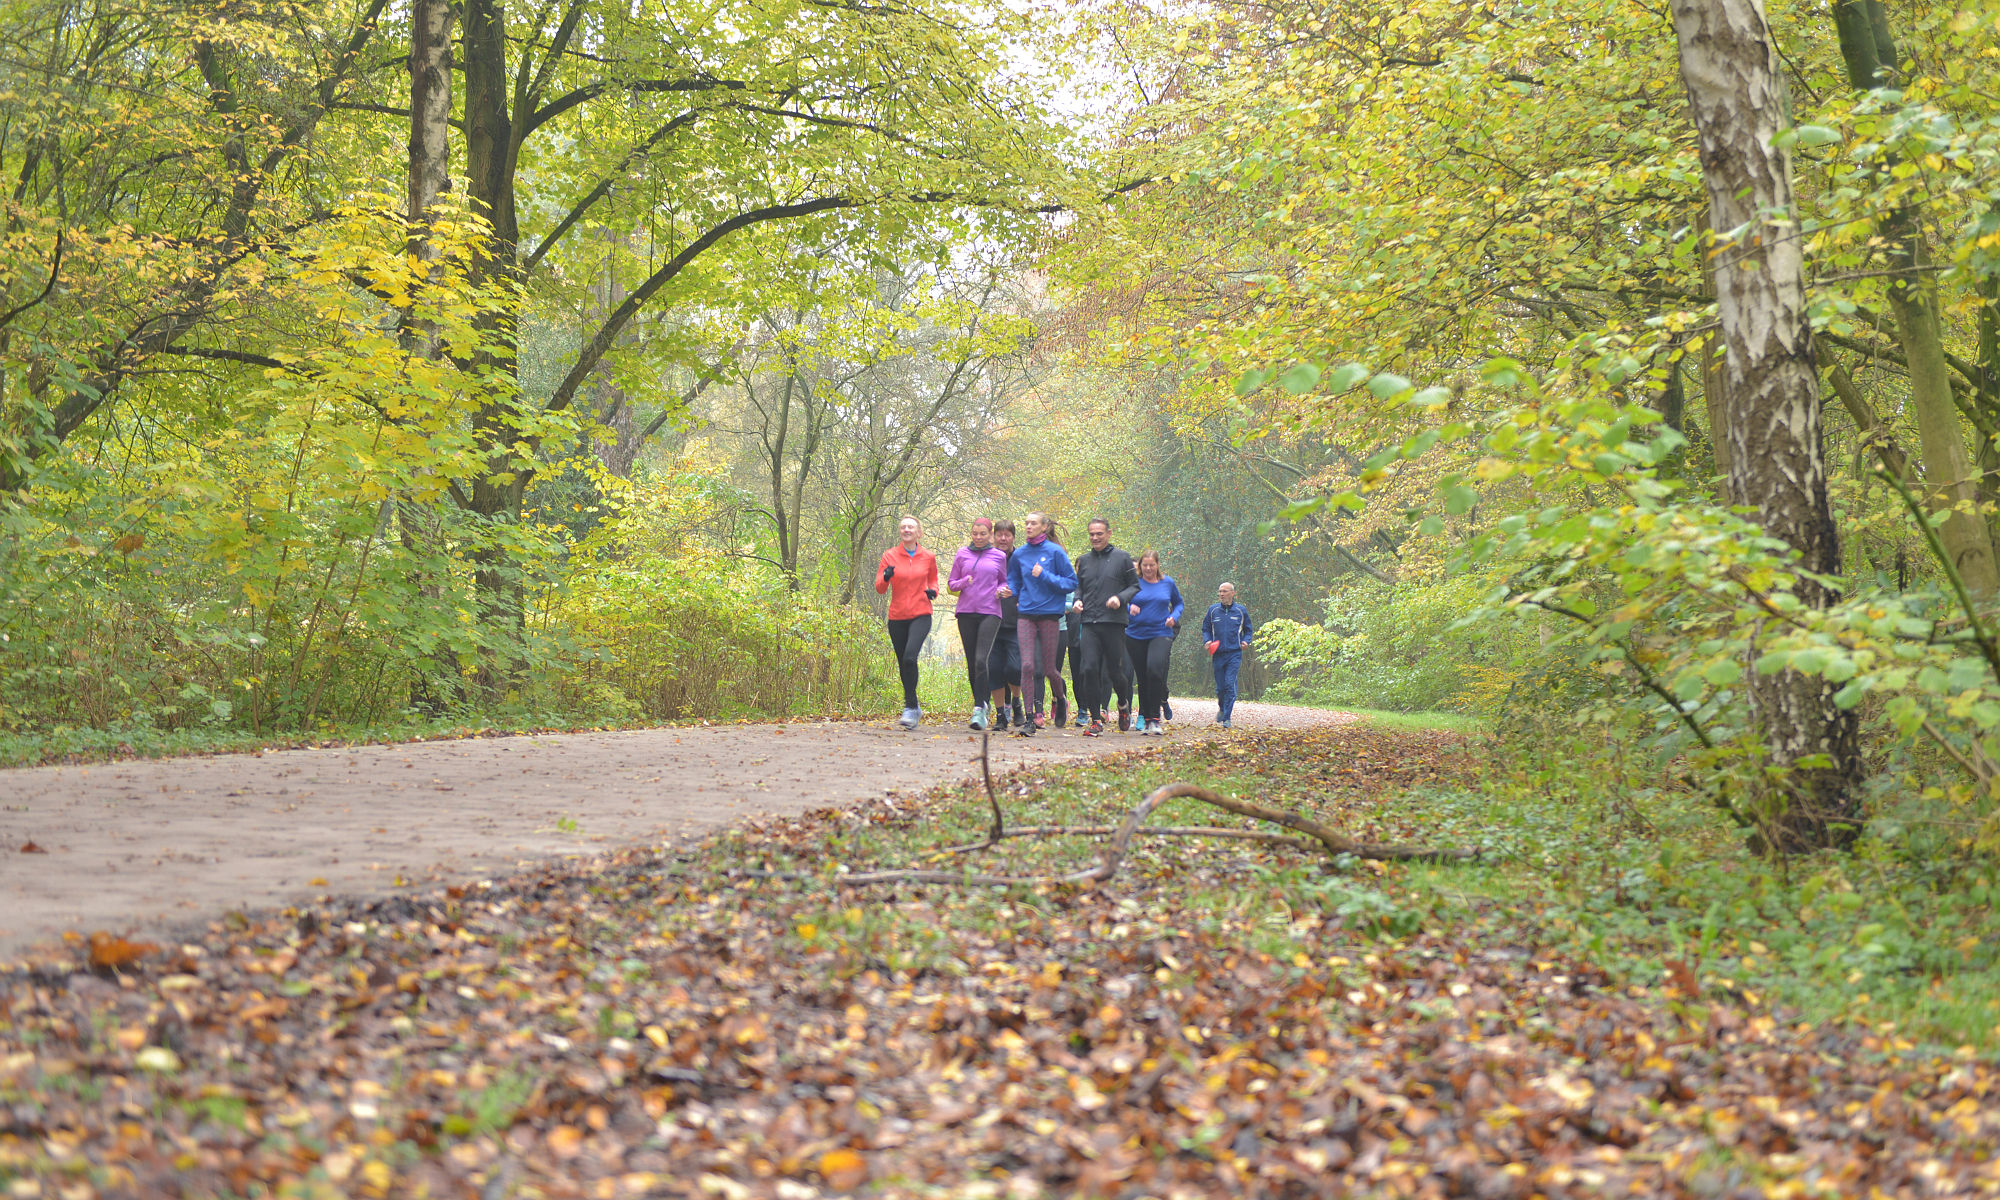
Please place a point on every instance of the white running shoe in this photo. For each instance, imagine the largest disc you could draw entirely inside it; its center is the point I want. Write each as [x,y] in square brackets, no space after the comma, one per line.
[979,716]
[909,718]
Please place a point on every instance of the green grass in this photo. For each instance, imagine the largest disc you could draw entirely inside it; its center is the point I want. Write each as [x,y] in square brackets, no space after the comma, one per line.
[1446,722]
[1590,853]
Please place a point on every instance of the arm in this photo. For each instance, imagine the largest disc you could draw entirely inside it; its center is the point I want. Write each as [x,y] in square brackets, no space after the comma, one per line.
[881,584]
[934,574]
[1128,583]
[1061,575]
[1246,625]
[1208,624]
[1176,608]
[961,573]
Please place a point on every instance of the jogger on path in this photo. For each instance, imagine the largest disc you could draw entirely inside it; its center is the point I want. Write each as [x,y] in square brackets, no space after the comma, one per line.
[909,573]
[1106,582]
[1039,576]
[1227,631]
[1151,618]
[1004,667]
[977,573]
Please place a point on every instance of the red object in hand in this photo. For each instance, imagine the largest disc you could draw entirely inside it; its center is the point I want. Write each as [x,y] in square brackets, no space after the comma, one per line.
[1214,646]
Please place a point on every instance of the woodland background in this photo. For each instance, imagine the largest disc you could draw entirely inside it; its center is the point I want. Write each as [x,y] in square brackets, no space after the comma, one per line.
[389,366]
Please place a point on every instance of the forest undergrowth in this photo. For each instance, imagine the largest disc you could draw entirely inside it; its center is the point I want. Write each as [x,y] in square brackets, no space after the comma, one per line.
[1614,999]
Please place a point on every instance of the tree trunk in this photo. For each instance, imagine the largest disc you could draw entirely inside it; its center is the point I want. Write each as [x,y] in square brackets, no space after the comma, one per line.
[490,150]
[437,679]
[1736,95]
[1870,56]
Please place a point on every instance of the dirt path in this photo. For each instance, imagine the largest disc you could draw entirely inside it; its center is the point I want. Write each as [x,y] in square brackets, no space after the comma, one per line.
[153,845]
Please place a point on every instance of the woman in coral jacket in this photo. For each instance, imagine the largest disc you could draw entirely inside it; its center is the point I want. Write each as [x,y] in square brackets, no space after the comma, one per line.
[909,574]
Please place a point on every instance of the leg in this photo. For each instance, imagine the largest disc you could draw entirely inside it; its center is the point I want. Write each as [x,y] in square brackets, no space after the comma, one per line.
[1026,633]
[912,650]
[1047,638]
[1159,658]
[968,640]
[989,632]
[1226,667]
[1120,664]
[899,637]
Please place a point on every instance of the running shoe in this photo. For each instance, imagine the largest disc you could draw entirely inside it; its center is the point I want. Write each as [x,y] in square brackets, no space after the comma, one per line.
[1166,711]
[1224,724]
[1094,729]
[1124,719]
[1020,718]
[1062,710]
[1041,720]
[909,719]
[1138,725]
[979,716]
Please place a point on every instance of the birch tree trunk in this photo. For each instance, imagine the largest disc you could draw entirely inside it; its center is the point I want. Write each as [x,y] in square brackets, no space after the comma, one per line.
[1736,96]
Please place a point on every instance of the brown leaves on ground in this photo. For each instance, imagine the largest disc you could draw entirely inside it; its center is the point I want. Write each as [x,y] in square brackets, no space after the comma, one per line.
[645,1027]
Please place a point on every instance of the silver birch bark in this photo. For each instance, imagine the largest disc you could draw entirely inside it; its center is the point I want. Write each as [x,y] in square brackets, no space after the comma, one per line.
[1736,96]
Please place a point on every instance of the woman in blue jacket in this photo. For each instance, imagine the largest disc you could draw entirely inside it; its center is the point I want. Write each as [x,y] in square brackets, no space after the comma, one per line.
[1150,621]
[1040,576]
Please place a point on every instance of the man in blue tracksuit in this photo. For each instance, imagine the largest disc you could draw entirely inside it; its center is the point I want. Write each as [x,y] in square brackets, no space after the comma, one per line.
[1226,629]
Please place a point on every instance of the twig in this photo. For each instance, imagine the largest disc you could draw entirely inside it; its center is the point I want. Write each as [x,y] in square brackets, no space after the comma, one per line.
[999,829]
[1982,637]
[1120,845]
[1210,831]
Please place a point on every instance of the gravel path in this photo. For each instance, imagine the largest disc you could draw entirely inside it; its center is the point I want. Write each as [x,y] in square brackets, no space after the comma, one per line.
[148,846]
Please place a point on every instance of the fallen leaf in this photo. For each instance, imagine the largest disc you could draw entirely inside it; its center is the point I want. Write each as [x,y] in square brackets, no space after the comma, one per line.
[108,952]
[843,1170]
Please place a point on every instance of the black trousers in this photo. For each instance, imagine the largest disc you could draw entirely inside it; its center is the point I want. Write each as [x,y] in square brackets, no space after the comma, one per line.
[1105,660]
[976,632]
[908,637]
[1149,662]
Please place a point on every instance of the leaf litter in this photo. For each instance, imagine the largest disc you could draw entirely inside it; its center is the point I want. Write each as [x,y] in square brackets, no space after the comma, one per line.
[669,1025]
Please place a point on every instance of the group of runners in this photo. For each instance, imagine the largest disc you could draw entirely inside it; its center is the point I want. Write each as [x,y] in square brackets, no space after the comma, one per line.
[1024,606]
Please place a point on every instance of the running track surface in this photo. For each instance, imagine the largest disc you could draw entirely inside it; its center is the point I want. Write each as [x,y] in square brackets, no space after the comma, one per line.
[152,846]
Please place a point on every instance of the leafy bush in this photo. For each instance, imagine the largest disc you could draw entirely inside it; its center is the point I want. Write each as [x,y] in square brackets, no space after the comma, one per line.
[1396,646]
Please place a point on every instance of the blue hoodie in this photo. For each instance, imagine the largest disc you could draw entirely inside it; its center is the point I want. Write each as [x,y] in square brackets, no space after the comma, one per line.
[1043,596]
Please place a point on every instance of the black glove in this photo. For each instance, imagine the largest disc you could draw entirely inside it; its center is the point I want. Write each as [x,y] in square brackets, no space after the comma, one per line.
[930,593]
[888,573]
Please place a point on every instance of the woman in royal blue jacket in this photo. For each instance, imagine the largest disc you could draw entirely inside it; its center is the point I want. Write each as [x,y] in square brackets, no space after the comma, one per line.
[1150,621]
[1040,577]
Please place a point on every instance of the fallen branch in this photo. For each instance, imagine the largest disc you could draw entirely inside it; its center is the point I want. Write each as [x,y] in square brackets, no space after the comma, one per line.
[1120,845]
[1209,831]
[999,827]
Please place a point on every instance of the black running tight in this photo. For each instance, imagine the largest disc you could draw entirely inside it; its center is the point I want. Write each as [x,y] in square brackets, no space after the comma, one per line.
[976,632]
[908,638]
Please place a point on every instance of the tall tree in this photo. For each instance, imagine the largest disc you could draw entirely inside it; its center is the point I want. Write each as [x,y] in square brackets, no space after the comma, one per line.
[1737,97]
[1869,51]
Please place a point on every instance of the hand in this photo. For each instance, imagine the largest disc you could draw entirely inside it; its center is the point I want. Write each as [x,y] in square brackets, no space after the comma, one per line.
[888,573]
[1173,624]
[1037,572]
[1006,593]
[1077,607]
[1113,602]
[930,593]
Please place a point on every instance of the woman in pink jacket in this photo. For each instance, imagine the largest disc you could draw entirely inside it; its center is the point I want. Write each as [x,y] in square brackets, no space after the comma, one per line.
[977,574]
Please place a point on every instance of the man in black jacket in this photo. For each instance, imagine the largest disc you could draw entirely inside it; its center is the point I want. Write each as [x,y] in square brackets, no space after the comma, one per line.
[1106,581]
